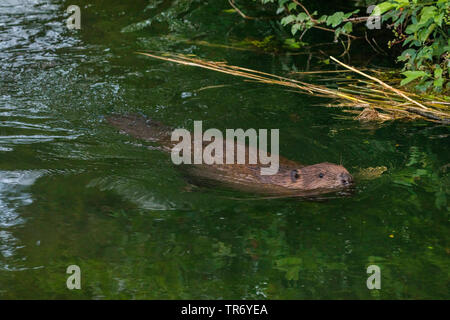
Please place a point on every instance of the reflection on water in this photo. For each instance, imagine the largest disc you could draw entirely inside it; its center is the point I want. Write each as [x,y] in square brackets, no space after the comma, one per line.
[133,191]
[13,195]
[31,32]
[74,191]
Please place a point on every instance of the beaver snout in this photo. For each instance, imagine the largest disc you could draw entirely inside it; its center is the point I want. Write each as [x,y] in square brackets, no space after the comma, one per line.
[346,178]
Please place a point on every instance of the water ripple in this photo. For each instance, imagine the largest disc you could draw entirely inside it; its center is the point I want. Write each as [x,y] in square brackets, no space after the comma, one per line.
[13,185]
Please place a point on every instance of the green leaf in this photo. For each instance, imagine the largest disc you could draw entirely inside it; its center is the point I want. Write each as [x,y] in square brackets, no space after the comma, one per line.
[426,14]
[424,86]
[402,3]
[287,20]
[322,19]
[348,15]
[302,17]
[335,19]
[382,8]
[438,83]
[425,33]
[348,27]
[438,72]
[407,55]
[407,40]
[412,28]
[292,43]
[292,6]
[439,18]
[438,79]
[412,75]
[295,28]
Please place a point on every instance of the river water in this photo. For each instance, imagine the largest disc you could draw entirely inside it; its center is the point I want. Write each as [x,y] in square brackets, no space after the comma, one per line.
[75,192]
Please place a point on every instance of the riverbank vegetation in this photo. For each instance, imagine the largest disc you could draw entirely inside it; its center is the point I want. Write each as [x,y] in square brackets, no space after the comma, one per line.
[370,98]
[420,28]
[413,35]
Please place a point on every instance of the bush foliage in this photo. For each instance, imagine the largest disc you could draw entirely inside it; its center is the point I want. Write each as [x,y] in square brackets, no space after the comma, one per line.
[420,27]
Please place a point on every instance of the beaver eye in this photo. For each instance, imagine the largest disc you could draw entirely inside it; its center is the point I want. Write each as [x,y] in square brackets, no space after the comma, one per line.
[294,175]
[321,175]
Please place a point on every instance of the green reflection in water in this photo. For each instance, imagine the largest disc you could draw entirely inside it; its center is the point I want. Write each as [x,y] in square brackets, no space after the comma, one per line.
[73,191]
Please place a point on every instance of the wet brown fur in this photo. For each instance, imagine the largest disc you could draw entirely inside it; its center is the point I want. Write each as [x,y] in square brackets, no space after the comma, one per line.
[292,178]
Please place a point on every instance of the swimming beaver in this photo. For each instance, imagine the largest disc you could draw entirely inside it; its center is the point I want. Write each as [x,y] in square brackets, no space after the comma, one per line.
[292,178]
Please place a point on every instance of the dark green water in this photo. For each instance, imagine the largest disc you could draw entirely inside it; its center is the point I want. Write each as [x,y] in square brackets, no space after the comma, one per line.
[74,191]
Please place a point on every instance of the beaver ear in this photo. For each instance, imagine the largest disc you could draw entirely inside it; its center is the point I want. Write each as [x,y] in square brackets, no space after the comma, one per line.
[294,175]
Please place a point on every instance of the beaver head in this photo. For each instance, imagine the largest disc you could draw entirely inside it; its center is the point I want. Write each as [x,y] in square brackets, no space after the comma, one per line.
[320,176]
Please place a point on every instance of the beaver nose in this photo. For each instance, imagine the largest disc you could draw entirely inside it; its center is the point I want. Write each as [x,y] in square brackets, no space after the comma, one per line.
[346,178]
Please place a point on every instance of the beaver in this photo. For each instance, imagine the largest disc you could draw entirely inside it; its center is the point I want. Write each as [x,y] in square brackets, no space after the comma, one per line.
[292,179]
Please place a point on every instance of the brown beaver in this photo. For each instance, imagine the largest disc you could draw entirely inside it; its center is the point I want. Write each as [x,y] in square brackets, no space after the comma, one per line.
[292,178]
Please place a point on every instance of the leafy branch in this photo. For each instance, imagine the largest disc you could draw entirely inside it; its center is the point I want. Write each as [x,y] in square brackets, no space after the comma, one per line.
[422,26]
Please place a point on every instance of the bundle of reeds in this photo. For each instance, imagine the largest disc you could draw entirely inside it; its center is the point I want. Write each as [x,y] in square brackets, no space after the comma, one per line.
[368,96]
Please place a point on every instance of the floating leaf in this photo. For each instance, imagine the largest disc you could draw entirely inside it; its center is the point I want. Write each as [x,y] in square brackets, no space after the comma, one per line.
[371,172]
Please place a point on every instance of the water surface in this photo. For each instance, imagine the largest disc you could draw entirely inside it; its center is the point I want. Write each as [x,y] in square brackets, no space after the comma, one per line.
[74,191]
